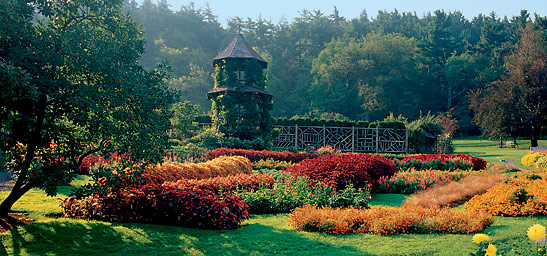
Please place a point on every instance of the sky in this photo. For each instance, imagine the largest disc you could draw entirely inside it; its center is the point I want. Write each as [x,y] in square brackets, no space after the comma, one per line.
[275,10]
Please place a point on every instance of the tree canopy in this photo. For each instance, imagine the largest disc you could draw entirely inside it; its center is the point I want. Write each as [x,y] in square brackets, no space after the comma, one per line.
[71,86]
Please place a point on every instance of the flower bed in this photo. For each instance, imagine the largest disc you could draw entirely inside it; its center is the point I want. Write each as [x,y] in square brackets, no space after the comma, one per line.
[522,194]
[155,204]
[411,181]
[221,166]
[240,182]
[255,155]
[295,192]
[388,220]
[271,164]
[441,162]
[361,170]
[455,192]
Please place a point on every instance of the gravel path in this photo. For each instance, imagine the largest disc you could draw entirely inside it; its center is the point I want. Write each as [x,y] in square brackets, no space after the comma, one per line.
[5,182]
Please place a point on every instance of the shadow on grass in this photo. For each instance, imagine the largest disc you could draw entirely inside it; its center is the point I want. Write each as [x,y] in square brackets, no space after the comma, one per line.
[77,237]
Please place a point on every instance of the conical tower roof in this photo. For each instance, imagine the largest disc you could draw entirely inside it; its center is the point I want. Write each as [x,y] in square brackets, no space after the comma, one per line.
[239,49]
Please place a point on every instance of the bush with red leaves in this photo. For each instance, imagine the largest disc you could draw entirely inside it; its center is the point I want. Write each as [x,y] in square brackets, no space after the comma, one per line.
[256,155]
[155,204]
[339,170]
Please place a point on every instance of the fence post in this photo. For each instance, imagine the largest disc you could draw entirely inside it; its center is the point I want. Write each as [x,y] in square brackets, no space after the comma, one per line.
[353,139]
[377,139]
[406,141]
[296,136]
[324,136]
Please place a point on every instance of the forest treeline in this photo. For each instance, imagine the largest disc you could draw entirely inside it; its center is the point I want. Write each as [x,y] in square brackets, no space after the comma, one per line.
[362,68]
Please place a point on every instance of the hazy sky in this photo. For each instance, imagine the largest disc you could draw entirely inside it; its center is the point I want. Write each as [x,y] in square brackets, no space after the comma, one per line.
[277,9]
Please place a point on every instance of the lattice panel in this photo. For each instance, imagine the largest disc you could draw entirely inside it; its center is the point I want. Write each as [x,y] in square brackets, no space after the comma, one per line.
[347,139]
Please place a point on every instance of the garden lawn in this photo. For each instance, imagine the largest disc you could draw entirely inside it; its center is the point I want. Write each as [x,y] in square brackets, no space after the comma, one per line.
[491,152]
[260,235]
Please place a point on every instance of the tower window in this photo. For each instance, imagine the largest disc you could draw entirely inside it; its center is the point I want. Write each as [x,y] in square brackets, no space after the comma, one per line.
[240,74]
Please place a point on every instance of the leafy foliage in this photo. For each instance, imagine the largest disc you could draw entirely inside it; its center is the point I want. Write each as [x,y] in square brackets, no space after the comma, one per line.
[158,205]
[441,162]
[239,182]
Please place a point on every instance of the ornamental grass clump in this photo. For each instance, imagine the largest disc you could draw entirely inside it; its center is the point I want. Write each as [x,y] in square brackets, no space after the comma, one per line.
[521,194]
[455,192]
[388,220]
[271,164]
[173,171]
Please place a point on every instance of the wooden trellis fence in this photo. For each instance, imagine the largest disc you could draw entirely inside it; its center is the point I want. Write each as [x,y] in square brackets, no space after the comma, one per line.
[347,139]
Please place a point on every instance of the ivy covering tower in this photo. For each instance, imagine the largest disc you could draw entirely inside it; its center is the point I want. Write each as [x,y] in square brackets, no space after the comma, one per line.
[241,104]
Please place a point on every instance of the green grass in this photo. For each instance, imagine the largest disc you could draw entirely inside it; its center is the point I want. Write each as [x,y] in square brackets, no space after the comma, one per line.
[489,150]
[260,235]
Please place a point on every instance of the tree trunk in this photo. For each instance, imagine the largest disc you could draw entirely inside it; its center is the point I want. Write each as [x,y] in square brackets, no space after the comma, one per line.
[534,140]
[13,196]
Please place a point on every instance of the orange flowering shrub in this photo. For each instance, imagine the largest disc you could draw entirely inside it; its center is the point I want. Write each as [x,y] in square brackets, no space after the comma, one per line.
[242,181]
[522,194]
[220,166]
[388,220]
[455,192]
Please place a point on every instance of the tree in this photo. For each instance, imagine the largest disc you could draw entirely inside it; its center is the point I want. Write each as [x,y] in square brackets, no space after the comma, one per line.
[517,103]
[71,86]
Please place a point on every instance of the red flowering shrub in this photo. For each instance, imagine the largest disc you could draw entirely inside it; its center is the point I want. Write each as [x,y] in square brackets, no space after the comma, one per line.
[173,171]
[155,204]
[338,170]
[256,155]
[245,182]
[412,181]
[441,162]
[388,220]
[92,160]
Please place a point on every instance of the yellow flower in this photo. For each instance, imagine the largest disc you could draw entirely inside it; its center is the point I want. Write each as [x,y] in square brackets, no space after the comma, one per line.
[478,238]
[491,250]
[536,232]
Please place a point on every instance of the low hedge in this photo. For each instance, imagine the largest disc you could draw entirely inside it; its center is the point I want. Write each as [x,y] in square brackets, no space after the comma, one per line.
[412,181]
[257,155]
[155,204]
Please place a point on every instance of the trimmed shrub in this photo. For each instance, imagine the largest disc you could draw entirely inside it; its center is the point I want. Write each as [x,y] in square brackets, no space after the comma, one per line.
[255,155]
[337,171]
[295,192]
[456,192]
[173,171]
[388,220]
[240,182]
[442,162]
[154,204]
[531,159]
[522,194]
[409,182]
